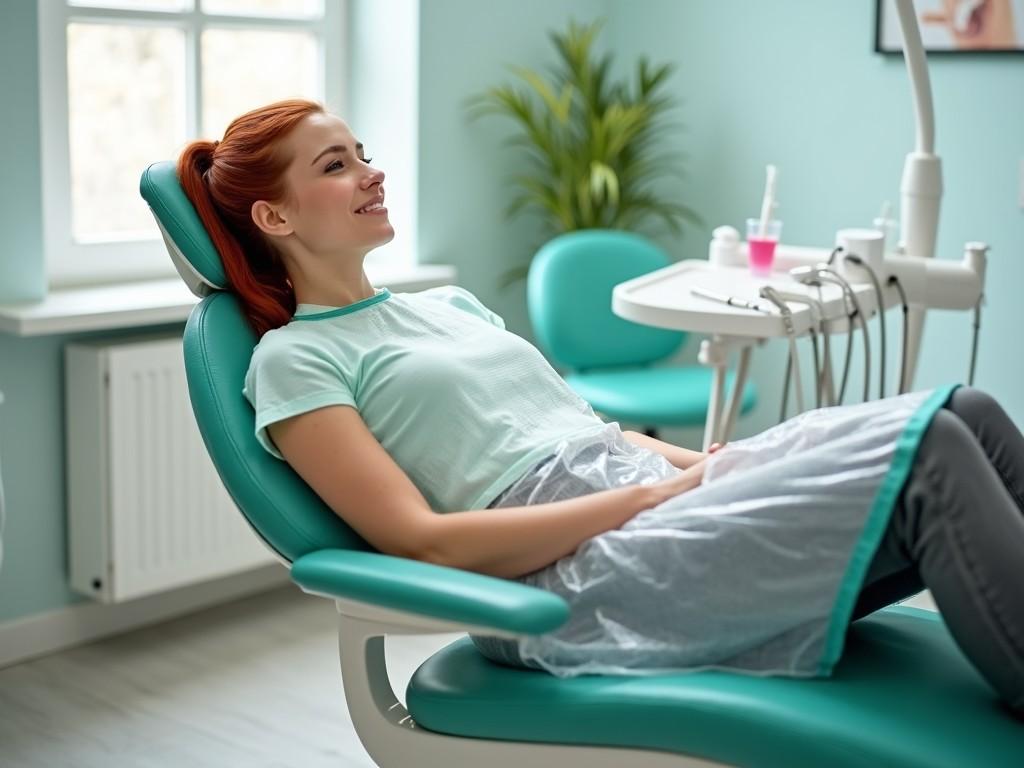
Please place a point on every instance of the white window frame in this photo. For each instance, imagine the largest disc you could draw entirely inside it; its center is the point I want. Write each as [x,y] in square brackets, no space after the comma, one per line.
[70,264]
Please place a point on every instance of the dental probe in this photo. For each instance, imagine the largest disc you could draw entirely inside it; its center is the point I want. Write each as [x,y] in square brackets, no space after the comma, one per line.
[732,301]
[881,310]
[772,295]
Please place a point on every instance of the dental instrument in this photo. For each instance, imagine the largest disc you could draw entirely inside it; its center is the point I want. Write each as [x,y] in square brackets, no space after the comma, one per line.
[772,295]
[854,258]
[732,301]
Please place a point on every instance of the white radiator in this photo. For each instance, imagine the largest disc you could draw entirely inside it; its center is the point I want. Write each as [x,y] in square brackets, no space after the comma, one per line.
[146,509]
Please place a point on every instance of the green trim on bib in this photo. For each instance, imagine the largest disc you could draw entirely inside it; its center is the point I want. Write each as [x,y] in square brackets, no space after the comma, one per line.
[382,295]
[878,518]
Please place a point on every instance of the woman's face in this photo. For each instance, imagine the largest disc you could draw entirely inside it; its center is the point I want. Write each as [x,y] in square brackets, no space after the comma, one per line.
[335,198]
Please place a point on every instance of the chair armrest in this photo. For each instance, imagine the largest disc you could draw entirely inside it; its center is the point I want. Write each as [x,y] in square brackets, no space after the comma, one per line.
[430,590]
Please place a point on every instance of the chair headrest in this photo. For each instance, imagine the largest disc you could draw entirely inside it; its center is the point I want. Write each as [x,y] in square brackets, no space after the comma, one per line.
[188,243]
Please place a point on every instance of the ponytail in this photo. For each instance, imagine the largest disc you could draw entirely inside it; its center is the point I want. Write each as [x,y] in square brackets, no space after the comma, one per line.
[223,180]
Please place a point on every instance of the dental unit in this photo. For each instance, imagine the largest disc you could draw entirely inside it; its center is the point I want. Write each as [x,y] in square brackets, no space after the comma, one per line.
[862,273]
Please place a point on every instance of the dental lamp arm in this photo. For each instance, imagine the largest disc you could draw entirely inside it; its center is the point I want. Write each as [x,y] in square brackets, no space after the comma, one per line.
[938,283]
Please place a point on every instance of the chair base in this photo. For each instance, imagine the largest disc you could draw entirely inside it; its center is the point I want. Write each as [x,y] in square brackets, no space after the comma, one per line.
[394,740]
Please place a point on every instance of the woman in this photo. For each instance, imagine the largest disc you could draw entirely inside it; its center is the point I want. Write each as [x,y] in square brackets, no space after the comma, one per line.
[395,407]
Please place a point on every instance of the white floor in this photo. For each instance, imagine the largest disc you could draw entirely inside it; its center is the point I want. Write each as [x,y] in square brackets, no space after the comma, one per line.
[252,683]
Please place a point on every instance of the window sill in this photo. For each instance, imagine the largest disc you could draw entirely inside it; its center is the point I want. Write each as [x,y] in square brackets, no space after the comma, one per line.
[155,302]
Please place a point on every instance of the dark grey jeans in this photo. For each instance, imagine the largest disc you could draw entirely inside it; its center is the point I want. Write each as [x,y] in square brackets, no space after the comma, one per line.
[958,530]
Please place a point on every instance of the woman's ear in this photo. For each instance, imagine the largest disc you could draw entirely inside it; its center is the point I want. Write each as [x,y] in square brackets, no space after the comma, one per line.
[269,219]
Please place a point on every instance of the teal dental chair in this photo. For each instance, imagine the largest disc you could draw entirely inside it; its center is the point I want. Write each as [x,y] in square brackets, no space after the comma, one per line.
[903,696]
[613,363]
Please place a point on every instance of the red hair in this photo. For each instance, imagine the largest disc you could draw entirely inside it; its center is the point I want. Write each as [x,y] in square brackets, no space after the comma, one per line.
[222,180]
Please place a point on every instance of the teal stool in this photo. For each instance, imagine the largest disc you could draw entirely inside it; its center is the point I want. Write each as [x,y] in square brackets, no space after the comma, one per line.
[612,361]
[902,695]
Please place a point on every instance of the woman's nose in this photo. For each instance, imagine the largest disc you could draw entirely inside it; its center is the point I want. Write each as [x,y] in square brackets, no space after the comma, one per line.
[373,176]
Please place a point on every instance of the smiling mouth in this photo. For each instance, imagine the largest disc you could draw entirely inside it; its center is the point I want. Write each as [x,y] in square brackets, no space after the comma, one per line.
[377,206]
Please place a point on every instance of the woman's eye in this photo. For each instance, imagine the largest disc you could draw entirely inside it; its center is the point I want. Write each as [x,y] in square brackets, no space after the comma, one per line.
[334,164]
[367,160]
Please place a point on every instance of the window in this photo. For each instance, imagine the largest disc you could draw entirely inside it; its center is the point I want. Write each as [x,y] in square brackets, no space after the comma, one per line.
[128,82]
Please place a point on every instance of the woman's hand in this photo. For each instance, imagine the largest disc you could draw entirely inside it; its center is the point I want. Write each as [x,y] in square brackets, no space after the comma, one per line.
[671,487]
[715,447]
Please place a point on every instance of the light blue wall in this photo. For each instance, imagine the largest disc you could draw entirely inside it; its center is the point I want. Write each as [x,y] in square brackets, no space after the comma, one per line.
[803,89]
[21,265]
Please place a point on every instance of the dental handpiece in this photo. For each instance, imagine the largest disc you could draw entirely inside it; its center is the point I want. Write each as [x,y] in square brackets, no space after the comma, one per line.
[881,311]
[769,293]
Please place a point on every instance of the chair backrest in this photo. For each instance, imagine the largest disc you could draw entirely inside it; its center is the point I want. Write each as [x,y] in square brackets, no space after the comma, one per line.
[285,512]
[569,299]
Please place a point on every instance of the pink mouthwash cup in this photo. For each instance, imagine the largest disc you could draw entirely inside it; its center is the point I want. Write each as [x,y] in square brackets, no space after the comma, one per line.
[762,247]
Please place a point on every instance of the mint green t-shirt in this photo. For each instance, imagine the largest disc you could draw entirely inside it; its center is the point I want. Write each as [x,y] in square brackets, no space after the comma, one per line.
[463,406]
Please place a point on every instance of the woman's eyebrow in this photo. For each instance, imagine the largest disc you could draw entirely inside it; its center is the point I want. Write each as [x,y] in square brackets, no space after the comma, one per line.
[335,148]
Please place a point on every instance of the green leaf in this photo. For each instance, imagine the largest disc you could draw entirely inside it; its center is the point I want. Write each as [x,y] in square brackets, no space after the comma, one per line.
[604,183]
[553,103]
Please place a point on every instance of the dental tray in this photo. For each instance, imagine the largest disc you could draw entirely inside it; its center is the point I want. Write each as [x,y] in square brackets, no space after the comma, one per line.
[663,299]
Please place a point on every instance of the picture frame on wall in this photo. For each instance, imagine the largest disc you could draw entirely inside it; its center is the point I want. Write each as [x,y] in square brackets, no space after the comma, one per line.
[955,26]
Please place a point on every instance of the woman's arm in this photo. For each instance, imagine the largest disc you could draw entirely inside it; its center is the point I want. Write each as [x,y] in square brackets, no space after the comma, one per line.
[375,497]
[678,457]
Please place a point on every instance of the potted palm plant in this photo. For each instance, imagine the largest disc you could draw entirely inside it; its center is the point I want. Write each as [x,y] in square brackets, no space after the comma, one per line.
[590,145]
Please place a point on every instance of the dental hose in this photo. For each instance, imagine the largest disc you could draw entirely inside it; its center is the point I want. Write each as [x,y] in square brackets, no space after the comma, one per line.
[826,384]
[848,291]
[974,342]
[789,372]
[785,388]
[767,292]
[817,319]
[881,311]
[814,276]
[895,281]
[817,368]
